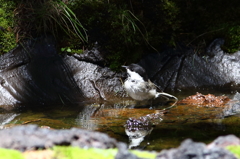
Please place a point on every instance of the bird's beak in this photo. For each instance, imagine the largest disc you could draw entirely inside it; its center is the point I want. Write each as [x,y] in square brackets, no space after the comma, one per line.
[124,67]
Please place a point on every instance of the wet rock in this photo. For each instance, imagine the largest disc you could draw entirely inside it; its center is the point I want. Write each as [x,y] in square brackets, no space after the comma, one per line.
[224,141]
[233,107]
[209,100]
[34,74]
[32,137]
[194,150]
[185,68]
[95,81]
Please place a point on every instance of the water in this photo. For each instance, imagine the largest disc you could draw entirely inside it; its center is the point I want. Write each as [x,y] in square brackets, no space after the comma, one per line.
[200,123]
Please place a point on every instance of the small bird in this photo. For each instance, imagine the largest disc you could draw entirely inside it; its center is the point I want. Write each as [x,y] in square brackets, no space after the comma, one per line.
[138,86]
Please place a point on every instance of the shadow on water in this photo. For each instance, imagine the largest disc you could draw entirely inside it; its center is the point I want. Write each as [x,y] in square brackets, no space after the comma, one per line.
[168,130]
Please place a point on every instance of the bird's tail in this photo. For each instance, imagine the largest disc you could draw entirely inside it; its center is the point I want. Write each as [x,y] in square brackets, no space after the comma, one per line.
[166,94]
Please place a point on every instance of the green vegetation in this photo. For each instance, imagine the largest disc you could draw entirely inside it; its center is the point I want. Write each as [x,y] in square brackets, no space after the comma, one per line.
[235,150]
[35,18]
[75,153]
[125,30]
[10,154]
[7,38]
[65,152]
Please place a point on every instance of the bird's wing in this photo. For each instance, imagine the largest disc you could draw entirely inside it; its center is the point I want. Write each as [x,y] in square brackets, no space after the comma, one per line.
[155,86]
[144,86]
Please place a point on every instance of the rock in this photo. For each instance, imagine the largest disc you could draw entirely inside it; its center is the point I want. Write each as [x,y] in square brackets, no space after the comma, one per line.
[91,56]
[31,137]
[193,150]
[182,69]
[96,82]
[224,141]
[34,74]
[233,107]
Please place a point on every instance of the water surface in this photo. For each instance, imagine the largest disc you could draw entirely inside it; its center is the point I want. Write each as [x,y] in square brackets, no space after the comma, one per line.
[183,121]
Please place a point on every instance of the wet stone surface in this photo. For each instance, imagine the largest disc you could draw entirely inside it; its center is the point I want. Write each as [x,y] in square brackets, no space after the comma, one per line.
[209,100]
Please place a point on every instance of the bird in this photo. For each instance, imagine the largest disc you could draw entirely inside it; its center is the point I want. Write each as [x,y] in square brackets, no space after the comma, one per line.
[138,85]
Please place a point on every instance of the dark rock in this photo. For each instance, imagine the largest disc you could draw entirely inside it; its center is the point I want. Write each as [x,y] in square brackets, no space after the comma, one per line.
[32,137]
[91,56]
[34,74]
[193,150]
[179,69]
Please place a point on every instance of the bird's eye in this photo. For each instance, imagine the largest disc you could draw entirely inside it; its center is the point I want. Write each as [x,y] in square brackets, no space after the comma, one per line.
[133,81]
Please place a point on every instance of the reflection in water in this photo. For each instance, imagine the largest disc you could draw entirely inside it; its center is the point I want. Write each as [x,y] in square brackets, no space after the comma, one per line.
[137,136]
[84,118]
[138,129]
[89,117]
[6,118]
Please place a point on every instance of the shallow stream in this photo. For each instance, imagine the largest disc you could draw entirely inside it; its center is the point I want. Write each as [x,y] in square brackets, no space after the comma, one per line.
[200,123]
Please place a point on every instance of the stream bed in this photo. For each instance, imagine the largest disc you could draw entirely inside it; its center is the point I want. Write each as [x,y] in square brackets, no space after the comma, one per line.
[182,121]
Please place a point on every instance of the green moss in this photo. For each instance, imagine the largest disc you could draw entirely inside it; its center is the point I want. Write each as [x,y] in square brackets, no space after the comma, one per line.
[144,154]
[75,153]
[67,152]
[235,150]
[10,154]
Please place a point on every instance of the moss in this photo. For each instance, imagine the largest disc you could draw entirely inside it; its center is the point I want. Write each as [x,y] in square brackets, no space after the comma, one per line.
[235,150]
[75,153]
[10,154]
[67,152]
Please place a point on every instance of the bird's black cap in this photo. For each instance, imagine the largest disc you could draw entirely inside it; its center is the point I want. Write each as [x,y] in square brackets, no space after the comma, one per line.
[138,69]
